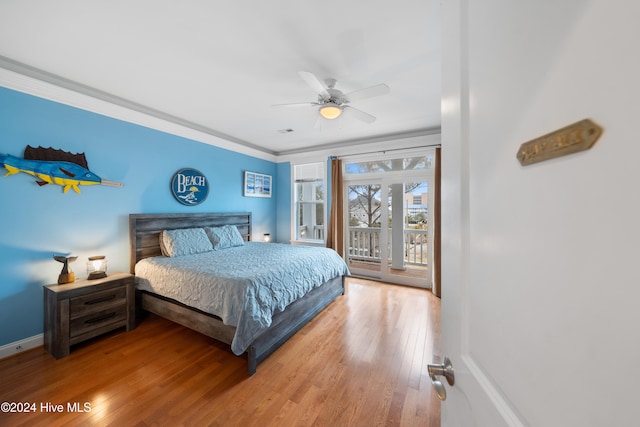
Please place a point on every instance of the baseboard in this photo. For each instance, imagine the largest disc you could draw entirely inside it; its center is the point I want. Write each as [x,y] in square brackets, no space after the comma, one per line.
[22,345]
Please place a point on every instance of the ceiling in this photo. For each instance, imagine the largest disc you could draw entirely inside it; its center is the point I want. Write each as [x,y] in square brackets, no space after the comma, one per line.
[219,66]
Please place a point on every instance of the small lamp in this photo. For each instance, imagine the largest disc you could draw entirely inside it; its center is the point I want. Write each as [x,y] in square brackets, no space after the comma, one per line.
[96,267]
[266,237]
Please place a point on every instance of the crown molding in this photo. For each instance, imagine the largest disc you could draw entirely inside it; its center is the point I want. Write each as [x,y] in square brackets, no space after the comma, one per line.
[24,78]
[399,141]
[33,81]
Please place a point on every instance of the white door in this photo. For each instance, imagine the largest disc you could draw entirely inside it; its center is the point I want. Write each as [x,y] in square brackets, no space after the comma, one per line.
[540,277]
[407,254]
[400,252]
[389,217]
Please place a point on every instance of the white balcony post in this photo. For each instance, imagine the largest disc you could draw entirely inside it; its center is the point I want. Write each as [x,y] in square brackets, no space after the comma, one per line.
[397,224]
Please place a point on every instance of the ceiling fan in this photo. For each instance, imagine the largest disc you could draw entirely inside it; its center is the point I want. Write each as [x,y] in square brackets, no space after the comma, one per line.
[333,103]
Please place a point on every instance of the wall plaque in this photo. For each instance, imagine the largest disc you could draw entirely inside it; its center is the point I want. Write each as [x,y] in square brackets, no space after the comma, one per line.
[579,136]
[189,186]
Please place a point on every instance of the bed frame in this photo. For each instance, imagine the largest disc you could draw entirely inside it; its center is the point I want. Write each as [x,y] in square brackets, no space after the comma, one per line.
[144,236]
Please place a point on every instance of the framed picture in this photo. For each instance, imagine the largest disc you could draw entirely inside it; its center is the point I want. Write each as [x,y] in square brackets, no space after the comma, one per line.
[257,184]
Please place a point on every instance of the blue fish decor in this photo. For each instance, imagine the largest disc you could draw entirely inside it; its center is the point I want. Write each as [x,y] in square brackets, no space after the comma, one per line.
[51,166]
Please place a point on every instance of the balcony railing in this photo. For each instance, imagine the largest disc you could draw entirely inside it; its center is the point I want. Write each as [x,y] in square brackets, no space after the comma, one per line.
[364,246]
[317,232]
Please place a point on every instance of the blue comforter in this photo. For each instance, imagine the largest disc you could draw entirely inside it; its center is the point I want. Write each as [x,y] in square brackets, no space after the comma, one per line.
[244,285]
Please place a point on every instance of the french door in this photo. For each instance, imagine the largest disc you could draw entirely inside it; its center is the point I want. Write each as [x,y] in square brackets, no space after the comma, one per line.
[389,226]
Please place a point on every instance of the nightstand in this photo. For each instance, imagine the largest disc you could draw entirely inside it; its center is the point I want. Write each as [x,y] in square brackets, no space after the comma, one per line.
[81,310]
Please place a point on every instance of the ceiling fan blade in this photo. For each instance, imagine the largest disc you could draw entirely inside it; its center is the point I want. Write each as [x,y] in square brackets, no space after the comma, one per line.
[359,114]
[369,92]
[314,83]
[296,104]
[318,123]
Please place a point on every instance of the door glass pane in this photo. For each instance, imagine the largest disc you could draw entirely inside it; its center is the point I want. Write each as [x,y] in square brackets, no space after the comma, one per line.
[363,242]
[422,162]
[408,225]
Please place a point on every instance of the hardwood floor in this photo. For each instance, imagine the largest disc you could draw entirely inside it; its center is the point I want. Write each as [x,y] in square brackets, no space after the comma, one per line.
[361,362]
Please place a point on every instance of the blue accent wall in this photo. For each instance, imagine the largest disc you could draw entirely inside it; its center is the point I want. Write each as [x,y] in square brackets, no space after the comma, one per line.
[36,222]
[283,212]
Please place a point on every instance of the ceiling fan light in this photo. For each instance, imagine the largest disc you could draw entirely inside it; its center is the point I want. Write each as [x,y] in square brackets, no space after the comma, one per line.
[330,111]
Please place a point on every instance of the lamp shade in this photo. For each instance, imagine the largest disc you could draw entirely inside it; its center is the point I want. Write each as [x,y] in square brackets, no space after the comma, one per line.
[330,111]
[96,267]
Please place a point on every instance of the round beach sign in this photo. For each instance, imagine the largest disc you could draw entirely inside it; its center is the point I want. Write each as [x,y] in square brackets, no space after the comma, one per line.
[189,186]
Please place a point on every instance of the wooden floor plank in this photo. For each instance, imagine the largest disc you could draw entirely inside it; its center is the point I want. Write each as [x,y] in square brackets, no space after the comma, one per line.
[362,361]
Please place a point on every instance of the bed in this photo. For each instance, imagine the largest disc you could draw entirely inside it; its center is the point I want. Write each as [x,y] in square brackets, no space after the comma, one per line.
[259,301]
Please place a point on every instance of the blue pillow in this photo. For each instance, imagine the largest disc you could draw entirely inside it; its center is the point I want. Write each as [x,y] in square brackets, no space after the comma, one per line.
[224,237]
[187,241]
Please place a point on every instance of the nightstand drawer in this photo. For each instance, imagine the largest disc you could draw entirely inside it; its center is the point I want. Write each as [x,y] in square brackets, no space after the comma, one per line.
[97,319]
[97,301]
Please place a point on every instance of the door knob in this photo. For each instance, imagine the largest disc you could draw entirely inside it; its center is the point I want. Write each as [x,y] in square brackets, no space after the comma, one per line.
[443,369]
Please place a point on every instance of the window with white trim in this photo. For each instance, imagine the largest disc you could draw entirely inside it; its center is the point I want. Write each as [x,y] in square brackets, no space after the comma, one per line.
[309,192]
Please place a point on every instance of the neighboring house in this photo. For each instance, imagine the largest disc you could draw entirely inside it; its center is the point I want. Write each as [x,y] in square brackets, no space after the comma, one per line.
[364,211]
[416,206]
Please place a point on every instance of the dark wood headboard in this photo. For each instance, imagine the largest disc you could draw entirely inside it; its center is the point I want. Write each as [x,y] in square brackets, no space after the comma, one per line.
[144,229]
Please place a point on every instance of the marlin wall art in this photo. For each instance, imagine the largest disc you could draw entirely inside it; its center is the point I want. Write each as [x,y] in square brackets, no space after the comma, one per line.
[52,166]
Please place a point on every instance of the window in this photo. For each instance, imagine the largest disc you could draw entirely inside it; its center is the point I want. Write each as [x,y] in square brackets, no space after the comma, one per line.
[414,163]
[309,196]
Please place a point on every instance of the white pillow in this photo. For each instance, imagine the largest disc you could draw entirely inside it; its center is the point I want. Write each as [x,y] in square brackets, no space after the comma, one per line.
[186,241]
